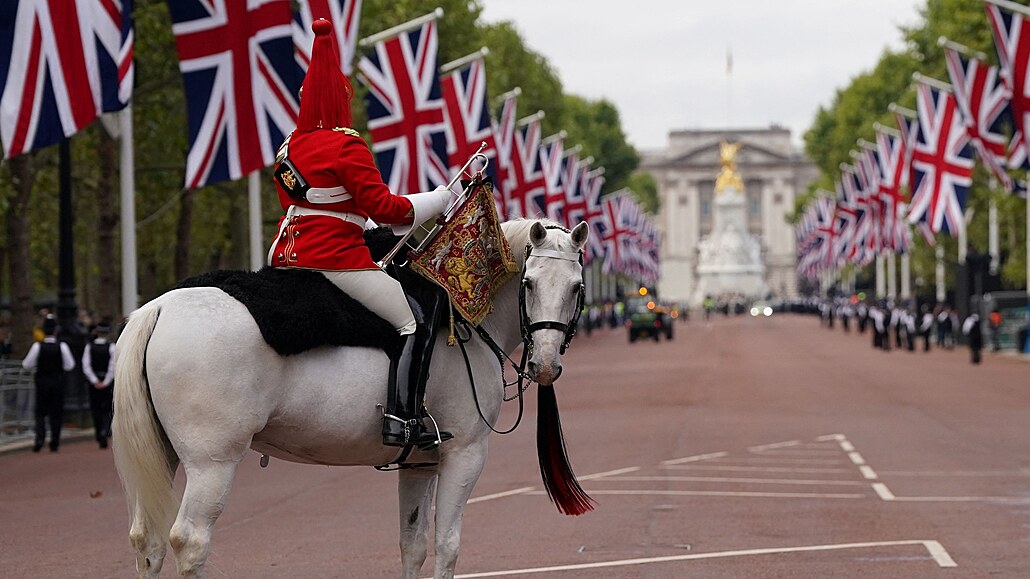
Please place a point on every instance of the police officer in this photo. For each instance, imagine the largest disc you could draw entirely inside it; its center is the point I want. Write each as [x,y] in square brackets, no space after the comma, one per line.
[329,188]
[98,366]
[51,360]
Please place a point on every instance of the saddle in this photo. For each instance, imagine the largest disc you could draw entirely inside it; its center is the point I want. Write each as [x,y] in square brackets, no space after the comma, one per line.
[298,310]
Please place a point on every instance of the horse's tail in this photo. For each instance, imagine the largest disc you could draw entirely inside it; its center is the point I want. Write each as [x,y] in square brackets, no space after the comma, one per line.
[141,451]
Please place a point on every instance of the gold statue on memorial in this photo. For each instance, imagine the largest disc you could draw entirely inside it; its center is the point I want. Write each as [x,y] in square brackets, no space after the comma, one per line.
[728,176]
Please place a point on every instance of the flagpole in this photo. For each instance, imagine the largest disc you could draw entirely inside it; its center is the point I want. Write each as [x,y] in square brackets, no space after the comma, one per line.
[130,291]
[892,277]
[993,245]
[552,138]
[942,293]
[881,281]
[539,115]
[257,253]
[906,276]
[505,96]
[465,60]
[400,28]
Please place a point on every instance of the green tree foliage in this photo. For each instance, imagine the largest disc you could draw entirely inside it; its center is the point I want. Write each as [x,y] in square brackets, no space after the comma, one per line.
[856,107]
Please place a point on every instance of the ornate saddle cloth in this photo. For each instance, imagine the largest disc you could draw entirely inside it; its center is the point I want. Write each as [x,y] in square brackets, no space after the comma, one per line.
[298,310]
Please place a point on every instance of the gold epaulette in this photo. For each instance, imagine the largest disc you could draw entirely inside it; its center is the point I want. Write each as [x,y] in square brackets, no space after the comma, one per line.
[347,131]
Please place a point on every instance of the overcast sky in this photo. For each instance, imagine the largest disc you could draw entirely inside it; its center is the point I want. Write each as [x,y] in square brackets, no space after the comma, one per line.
[789,56]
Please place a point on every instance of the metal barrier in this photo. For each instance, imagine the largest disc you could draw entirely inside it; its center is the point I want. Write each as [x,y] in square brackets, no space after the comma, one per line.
[17,401]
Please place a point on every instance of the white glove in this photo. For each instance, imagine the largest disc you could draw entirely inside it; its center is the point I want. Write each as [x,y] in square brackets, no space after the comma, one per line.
[444,192]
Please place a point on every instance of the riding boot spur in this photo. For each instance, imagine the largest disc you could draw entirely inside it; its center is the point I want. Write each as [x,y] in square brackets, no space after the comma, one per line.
[409,371]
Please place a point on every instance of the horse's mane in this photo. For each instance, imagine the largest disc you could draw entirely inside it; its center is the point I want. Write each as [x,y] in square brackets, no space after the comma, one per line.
[517,233]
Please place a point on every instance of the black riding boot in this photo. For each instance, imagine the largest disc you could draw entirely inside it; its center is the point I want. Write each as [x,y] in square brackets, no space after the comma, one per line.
[409,371]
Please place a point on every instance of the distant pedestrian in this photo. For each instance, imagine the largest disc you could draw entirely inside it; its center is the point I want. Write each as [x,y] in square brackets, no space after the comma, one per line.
[98,366]
[971,329]
[862,311]
[995,320]
[926,326]
[51,360]
[909,321]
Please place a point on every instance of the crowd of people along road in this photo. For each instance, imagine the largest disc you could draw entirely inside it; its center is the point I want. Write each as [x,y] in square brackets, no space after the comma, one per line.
[900,326]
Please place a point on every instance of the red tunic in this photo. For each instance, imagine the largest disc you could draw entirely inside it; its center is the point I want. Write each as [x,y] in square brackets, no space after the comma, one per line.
[330,158]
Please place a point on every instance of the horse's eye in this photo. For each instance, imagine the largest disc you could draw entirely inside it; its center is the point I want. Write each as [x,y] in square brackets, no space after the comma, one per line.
[527,283]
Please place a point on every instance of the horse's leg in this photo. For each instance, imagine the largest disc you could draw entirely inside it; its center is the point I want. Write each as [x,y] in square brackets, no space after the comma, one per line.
[207,489]
[415,494]
[459,470]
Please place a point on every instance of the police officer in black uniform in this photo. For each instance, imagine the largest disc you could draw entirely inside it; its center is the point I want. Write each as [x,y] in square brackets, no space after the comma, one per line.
[98,366]
[51,360]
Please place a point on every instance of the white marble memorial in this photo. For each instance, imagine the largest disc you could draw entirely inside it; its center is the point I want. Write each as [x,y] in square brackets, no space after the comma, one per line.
[729,258]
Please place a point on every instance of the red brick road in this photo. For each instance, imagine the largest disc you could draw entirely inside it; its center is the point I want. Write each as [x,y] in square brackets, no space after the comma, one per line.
[743,448]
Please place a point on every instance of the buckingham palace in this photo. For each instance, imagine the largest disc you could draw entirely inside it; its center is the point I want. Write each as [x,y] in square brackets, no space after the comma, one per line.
[773,171]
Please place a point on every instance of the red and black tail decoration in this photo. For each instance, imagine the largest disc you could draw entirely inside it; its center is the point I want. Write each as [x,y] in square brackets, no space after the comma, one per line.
[559,480]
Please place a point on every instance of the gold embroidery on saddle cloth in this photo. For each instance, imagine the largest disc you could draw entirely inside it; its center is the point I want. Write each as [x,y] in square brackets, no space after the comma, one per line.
[470,256]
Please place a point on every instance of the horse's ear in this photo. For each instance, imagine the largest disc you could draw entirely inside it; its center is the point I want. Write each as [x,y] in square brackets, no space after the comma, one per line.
[580,234]
[537,233]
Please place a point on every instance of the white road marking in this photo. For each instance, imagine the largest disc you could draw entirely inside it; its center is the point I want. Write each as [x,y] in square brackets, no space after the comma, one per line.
[609,473]
[846,446]
[1019,500]
[1013,473]
[936,550]
[774,445]
[647,492]
[500,495]
[755,468]
[812,453]
[884,492]
[868,472]
[777,481]
[856,458]
[695,458]
[778,460]
[826,437]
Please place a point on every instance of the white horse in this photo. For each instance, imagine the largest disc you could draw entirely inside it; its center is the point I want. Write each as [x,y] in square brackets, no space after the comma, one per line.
[198,386]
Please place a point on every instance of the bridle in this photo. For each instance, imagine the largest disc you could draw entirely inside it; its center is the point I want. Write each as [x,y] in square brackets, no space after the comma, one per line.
[527,328]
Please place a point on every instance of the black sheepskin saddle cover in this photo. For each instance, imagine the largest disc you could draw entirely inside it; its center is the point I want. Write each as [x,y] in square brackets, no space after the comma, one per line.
[298,310]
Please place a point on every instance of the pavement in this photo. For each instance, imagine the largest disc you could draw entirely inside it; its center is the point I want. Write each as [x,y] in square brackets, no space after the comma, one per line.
[24,443]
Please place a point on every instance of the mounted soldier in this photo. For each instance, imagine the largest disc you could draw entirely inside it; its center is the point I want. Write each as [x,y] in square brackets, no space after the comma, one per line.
[329,187]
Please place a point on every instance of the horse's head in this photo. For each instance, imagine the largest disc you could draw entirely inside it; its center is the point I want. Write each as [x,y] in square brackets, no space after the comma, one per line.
[551,295]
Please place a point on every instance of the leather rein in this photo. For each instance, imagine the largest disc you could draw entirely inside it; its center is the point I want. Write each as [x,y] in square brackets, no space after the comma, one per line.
[527,328]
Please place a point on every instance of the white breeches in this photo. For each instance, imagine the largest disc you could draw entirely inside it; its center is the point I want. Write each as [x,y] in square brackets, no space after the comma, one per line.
[378,292]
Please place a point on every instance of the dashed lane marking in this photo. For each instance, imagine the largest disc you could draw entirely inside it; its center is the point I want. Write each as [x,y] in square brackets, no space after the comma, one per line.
[501,495]
[937,552]
[778,460]
[856,458]
[609,473]
[837,437]
[883,492]
[868,472]
[846,446]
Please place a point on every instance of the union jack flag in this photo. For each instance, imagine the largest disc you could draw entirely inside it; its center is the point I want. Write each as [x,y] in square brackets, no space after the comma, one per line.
[590,184]
[891,156]
[526,179]
[1012,41]
[614,235]
[984,101]
[241,84]
[574,208]
[845,219]
[504,140]
[942,162]
[468,116]
[55,72]
[552,153]
[405,110]
[115,40]
[344,15]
